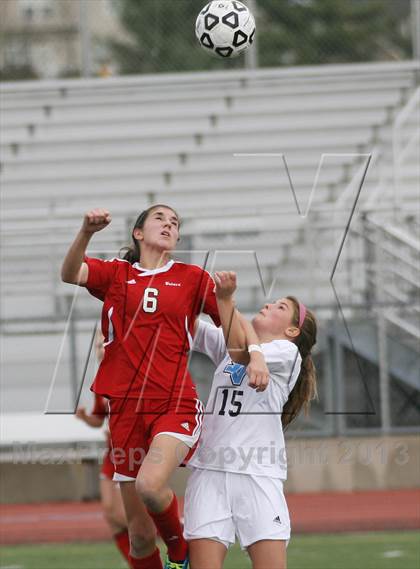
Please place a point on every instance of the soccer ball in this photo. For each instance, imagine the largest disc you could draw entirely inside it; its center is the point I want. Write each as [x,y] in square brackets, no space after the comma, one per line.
[225,28]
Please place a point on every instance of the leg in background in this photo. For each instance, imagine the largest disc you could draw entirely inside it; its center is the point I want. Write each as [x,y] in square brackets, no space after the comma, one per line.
[112,505]
[113,508]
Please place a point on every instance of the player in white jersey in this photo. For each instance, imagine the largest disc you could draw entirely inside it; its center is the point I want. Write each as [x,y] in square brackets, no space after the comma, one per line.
[236,488]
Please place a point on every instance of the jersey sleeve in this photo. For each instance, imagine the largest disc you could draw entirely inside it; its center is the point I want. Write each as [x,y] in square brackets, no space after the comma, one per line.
[283,361]
[99,406]
[100,276]
[210,341]
[208,297]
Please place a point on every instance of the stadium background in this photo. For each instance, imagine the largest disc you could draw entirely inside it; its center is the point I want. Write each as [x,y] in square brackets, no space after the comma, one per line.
[113,103]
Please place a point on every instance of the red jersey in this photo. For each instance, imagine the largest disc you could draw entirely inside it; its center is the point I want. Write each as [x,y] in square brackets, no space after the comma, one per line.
[148,321]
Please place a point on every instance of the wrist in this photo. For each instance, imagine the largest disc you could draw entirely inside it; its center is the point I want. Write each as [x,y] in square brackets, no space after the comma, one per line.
[85,234]
[225,299]
[254,349]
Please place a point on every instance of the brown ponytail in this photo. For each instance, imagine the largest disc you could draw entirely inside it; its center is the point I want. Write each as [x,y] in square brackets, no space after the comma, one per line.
[304,390]
[132,253]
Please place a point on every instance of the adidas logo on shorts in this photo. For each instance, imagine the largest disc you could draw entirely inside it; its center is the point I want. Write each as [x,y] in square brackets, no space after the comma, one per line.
[277,520]
[186,426]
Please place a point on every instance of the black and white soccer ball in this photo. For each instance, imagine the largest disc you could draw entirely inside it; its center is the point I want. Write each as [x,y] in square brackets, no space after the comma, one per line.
[225,28]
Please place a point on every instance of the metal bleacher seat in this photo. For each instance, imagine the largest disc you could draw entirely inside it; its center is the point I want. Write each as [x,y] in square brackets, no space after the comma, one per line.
[124,143]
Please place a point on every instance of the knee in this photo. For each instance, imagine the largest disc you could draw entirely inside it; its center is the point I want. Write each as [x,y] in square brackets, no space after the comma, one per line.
[148,489]
[142,541]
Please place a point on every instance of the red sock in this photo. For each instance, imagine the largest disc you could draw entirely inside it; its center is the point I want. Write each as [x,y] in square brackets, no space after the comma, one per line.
[170,529]
[122,541]
[151,562]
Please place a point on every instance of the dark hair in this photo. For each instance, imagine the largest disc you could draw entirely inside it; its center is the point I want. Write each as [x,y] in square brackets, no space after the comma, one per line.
[132,252]
[304,390]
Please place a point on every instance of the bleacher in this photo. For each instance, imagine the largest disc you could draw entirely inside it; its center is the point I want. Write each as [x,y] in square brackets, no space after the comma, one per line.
[210,145]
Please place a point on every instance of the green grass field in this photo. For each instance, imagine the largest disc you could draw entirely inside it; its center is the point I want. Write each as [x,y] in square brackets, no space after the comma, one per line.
[396,550]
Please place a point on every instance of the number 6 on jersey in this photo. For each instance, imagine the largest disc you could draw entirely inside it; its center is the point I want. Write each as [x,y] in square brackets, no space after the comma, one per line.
[150,299]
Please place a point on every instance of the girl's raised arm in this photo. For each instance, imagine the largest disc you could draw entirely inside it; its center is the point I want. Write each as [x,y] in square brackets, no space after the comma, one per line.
[239,333]
[74,270]
[232,329]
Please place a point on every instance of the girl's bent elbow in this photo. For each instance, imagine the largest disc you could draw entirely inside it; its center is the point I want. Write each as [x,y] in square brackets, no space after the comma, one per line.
[239,357]
[66,278]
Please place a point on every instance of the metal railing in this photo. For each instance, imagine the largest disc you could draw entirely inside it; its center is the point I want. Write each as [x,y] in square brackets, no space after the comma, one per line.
[405,142]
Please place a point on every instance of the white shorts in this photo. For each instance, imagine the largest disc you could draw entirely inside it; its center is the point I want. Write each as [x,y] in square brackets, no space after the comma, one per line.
[219,505]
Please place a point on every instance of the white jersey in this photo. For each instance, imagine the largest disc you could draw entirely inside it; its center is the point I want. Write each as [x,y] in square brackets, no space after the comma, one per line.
[242,430]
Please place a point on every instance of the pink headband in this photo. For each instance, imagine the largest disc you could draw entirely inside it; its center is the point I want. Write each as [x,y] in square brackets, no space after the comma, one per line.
[302,314]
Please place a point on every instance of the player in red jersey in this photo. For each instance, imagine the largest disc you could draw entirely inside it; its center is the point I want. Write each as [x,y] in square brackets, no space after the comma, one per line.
[110,493]
[150,306]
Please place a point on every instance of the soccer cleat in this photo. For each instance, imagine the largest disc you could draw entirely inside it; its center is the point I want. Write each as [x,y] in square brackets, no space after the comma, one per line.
[176,565]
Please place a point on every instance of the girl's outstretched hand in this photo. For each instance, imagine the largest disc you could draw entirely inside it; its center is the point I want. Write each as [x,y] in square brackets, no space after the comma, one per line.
[258,372]
[81,413]
[95,220]
[225,284]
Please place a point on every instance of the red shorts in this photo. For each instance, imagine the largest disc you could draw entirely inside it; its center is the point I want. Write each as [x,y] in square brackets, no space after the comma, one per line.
[134,424]
[107,469]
